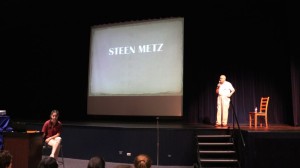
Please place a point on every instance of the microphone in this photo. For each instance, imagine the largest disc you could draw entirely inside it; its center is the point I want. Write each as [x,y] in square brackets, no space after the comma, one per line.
[219,84]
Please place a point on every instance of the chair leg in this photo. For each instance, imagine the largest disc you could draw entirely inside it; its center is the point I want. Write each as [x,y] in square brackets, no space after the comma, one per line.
[250,120]
[255,121]
[266,121]
[62,156]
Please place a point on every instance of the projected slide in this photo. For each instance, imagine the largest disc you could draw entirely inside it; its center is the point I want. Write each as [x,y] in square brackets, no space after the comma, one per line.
[136,68]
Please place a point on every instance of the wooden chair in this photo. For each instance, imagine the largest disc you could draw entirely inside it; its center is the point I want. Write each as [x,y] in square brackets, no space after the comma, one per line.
[262,113]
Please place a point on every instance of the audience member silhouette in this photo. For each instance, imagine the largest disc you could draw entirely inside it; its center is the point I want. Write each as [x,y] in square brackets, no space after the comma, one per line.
[5,159]
[96,162]
[48,162]
[142,161]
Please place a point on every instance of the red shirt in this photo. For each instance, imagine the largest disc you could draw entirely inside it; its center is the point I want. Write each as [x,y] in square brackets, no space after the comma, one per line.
[49,129]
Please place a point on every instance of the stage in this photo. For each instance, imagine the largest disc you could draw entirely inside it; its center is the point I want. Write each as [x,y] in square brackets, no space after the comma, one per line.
[173,143]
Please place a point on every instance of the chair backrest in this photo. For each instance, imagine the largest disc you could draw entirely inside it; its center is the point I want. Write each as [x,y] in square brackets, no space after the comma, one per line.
[264,102]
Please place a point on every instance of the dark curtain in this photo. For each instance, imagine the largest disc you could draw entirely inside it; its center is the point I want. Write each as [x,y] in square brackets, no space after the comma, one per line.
[295,83]
[251,47]
[294,34]
[251,83]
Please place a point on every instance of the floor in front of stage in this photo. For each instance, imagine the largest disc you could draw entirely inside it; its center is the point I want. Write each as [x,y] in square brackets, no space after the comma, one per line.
[79,163]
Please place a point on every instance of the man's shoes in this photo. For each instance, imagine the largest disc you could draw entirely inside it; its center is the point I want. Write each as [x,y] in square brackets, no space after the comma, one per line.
[218,125]
[221,125]
[224,125]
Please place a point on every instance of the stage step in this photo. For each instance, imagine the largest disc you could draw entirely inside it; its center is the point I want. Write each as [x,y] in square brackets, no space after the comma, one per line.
[216,149]
[220,160]
[224,152]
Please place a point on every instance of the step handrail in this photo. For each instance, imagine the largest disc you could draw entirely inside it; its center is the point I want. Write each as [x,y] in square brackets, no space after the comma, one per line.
[235,119]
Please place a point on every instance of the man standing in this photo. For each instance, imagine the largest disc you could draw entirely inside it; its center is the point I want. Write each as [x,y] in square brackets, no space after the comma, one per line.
[224,91]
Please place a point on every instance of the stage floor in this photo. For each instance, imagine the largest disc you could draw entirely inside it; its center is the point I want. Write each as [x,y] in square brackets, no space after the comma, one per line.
[178,125]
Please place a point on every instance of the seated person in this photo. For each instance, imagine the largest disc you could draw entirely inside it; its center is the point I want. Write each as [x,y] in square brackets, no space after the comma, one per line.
[48,162]
[96,162]
[52,129]
[142,161]
[5,159]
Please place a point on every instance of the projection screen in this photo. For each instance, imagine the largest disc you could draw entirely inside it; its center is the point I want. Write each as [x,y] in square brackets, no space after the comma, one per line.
[136,68]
